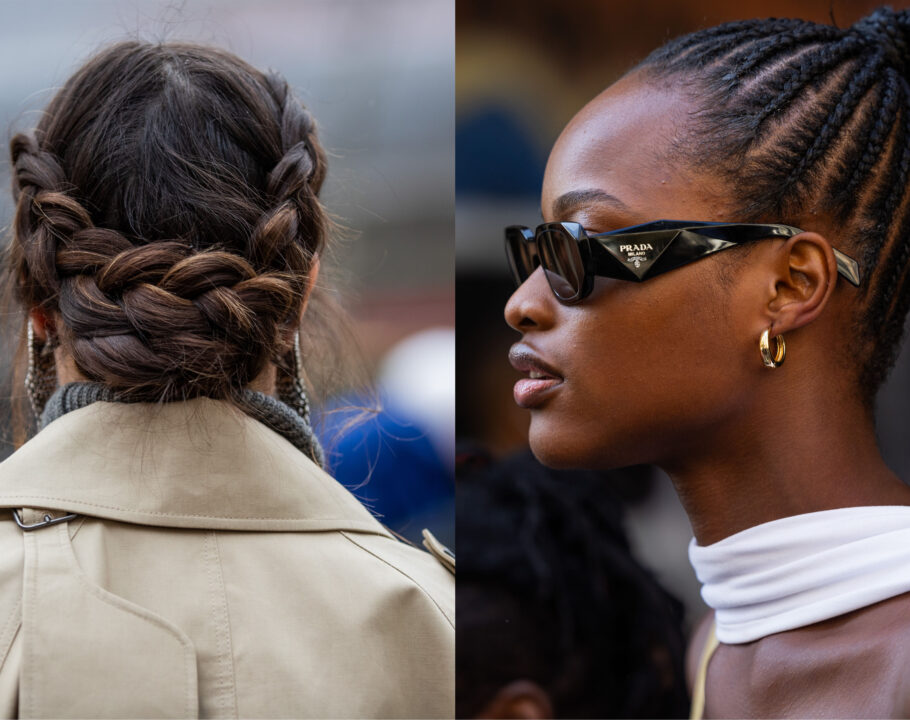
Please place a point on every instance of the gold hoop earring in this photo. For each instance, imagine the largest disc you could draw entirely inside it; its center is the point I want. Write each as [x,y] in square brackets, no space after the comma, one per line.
[764,344]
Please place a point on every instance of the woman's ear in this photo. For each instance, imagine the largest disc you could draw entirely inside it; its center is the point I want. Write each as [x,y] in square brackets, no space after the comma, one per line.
[803,279]
[42,323]
[311,283]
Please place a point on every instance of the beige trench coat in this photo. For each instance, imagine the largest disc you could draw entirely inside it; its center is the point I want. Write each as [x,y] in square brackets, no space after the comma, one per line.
[211,570]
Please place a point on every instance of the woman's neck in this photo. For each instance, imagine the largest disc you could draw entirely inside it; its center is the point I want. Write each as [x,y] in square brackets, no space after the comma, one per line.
[784,458]
[67,372]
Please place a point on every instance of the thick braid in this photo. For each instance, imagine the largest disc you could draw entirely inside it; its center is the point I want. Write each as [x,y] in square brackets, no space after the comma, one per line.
[293,185]
[293,232]
[804,117]
[44,213]
[298,137]
[142,298]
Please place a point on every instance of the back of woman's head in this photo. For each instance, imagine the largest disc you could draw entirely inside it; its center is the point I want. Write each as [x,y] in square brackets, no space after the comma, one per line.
[550,593]
[810,125]
[166,208]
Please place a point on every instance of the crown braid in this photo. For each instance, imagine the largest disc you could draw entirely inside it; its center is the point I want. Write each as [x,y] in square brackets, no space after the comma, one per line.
[802,117]
[172,219]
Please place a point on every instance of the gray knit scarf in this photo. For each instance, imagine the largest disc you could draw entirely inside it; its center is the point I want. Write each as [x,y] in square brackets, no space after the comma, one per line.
[264,408]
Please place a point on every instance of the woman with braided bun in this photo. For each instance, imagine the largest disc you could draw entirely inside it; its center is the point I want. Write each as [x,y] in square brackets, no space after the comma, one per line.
[720,288]
[172,546]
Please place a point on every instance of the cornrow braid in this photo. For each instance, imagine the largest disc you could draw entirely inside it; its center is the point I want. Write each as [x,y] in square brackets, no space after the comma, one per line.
[167,208]
[836,115]
[698,50]
[750,61]
[871,142]
[780,91]
[804,117]
[892,188]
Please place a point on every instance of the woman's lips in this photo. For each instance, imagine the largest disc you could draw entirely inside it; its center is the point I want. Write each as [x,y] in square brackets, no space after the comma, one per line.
[531,391]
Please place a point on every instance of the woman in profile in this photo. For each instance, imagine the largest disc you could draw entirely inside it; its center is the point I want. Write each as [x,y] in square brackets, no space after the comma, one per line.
[172,546]
[720,289]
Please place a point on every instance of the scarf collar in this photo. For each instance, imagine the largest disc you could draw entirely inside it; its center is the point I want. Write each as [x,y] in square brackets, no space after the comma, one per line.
[803,569]
[264,408]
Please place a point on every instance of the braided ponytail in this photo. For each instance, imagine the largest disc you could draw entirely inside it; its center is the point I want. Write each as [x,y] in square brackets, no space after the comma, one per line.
[811,123]
[167,208]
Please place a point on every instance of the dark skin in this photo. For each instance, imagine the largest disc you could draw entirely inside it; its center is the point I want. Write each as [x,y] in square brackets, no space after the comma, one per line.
[669,372]
[519,700]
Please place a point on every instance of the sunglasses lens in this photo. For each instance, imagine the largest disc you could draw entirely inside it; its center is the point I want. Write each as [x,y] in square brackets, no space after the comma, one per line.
[522,254]
[561,258]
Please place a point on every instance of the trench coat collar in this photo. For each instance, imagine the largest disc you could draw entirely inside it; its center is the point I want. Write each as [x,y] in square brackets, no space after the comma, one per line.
[195,464]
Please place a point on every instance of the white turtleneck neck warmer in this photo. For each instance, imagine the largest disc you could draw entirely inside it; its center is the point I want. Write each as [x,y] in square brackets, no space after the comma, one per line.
[800,570]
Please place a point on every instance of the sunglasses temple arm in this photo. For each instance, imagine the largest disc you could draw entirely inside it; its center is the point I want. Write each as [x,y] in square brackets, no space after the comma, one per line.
[848,267]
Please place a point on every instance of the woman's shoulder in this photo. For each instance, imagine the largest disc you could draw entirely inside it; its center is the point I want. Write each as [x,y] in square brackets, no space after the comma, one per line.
[140,476]
[200,465]
[430,571]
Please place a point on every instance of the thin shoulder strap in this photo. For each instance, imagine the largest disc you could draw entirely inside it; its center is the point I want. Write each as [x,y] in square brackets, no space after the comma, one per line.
[698,690]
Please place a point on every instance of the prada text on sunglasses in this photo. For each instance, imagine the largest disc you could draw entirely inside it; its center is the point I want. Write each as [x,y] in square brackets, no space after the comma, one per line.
[572,258]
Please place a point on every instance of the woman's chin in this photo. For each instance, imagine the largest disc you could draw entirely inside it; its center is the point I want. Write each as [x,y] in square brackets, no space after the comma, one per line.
[552,458]
[559,448]
[564,454]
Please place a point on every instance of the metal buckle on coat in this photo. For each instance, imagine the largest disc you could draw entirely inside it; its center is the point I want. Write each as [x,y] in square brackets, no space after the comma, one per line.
[48,520]
[445,556]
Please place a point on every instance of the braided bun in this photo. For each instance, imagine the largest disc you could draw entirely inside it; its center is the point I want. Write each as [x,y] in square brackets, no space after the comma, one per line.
[167,208]
[889,31]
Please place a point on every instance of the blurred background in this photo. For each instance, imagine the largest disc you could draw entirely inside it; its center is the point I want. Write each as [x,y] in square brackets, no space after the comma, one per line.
[523,70]
[379,78]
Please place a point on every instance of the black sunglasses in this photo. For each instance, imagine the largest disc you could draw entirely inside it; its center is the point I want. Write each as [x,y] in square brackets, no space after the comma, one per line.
[572,258]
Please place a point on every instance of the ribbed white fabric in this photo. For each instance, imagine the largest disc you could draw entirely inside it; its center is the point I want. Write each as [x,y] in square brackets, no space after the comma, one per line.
[803,569]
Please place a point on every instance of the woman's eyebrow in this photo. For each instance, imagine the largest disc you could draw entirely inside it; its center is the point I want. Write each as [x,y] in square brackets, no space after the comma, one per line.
[570,201]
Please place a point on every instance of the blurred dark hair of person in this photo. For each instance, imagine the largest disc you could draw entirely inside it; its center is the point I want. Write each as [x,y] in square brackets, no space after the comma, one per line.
[555,618]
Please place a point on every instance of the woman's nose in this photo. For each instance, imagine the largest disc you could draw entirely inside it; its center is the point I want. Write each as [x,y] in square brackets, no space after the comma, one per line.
[532,305]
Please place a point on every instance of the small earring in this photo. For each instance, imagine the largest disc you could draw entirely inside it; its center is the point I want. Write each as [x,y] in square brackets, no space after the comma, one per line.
[290,390]
[41,376]
[764,344]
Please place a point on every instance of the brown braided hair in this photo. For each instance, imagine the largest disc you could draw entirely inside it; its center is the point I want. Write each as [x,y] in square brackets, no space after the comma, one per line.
[167,208]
